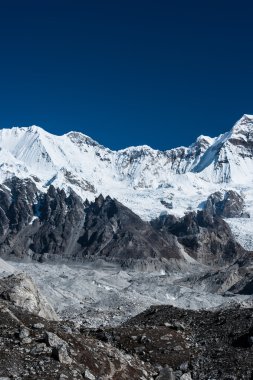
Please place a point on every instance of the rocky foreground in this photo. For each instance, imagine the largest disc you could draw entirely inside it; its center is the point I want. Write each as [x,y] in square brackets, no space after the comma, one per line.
[163,343]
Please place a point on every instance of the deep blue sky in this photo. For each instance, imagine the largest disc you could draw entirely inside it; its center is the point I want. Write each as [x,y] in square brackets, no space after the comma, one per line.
[127,72]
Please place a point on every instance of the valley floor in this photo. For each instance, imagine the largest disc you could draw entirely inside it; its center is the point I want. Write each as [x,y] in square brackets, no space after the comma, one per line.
[102,294]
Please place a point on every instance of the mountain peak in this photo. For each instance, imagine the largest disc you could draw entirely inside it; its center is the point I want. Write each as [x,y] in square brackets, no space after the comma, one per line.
[80,138]
[243,130]
[137,149]
[206,139]
[244,123]
[34,128]
[30,129]
[247,116]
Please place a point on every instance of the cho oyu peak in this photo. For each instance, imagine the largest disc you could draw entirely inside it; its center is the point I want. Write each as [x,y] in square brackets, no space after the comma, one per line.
[140,177]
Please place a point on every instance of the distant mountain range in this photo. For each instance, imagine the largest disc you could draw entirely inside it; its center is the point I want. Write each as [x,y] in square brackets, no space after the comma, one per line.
[146,180]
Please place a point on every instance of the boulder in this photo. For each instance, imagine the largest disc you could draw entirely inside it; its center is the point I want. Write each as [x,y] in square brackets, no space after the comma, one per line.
[20,290]
[186,376]
[59,346]
[166,373]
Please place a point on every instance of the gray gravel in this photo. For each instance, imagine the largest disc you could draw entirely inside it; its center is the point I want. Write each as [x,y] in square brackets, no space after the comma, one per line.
[102,293]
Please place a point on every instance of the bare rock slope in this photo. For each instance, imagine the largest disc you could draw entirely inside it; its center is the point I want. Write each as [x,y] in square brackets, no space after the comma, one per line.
[204,236]
[57,226]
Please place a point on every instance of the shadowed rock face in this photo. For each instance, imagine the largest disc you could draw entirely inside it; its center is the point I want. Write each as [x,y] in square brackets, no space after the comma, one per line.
[57,226]
[112,230]
[60,220]
[16,206]
[54,225]
[205,237]
[228,205]
[35,224]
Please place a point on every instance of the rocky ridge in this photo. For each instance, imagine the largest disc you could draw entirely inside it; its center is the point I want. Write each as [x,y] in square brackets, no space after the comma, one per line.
[227,205]
[56,226]
[205,237]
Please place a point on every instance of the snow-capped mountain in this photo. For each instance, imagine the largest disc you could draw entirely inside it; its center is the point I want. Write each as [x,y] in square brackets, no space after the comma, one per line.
[146,180]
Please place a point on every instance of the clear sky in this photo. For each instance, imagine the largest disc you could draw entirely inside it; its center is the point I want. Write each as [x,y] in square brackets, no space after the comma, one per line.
[127,72]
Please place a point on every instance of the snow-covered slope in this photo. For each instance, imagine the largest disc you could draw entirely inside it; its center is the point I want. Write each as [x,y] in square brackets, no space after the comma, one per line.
[146,180]
[230,157]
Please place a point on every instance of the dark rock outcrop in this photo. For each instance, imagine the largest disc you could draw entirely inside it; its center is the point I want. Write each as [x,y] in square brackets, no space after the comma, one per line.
[227,205]
[16,206]
[57,226]
[205,237]
[112,230]
[61,219]
[36,224]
